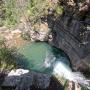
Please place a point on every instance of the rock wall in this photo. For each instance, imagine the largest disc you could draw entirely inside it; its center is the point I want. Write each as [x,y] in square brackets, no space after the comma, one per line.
[21,79]
[71,33]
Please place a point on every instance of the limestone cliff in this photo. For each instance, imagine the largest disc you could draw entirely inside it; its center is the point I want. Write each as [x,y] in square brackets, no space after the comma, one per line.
[71,32]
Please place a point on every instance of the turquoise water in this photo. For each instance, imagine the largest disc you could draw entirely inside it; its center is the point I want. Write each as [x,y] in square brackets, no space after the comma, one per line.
[33,56]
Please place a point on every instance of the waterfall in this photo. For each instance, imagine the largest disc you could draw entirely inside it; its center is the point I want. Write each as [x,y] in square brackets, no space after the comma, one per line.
[62,69]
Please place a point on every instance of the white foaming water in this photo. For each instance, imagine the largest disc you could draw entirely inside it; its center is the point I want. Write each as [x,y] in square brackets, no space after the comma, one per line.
[49,60]
[62,69]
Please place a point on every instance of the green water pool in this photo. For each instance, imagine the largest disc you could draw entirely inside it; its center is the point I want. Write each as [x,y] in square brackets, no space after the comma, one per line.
[32,56]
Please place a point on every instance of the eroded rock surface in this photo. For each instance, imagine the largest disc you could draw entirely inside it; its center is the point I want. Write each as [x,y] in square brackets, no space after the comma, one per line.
[40,32]
[71,33]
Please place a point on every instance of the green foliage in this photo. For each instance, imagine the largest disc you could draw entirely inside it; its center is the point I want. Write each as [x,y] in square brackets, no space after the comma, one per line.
[1,22]
[59,10]
[1,13]
[7,61]
[11,16]
[26,36]
[36,9]
[39,8]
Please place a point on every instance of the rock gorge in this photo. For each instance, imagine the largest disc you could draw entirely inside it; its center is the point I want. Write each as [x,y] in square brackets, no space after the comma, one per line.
[71,33]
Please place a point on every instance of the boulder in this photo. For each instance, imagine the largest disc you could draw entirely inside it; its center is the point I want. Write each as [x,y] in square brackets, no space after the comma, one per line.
[22,79]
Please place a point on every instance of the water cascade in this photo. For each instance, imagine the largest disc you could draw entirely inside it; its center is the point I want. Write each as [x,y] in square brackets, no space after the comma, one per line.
[43,58]
[62,69]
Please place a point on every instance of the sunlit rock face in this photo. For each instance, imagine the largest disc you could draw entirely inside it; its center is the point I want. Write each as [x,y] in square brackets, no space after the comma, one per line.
[71,33]
[18,72]
[40,32]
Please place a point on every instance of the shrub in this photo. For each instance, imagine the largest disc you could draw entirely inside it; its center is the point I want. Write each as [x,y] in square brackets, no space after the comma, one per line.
[10,16]
[32,10]
[25,36]
[36,9]
[7,62]
[40,8]
[59,10]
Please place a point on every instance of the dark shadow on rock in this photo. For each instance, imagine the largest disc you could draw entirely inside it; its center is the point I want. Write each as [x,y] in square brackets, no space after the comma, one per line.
[31,81]
[2,76]
[72,36]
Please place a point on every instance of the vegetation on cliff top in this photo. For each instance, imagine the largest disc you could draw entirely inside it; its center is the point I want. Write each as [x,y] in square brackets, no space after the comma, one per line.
[11,11]
[9,15]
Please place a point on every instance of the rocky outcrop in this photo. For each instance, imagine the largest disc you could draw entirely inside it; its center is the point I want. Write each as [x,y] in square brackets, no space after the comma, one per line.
[40,32]
[71,33]
[21,79]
